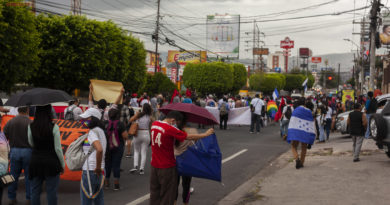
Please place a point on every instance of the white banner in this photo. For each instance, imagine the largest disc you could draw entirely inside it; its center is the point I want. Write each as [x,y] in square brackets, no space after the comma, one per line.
[237,116]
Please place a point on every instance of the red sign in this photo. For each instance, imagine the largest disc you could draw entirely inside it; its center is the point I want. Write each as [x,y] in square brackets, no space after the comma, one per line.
[316,59]
[174,75]
[304,52]
[287,43]
[286,52]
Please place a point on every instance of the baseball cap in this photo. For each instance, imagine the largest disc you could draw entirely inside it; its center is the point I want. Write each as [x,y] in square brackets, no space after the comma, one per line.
[91,112]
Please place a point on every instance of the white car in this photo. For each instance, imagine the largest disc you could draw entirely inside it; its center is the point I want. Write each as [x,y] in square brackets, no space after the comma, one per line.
[341,119]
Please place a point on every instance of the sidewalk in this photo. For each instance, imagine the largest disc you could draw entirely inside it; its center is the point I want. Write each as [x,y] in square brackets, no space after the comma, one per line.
[329,177]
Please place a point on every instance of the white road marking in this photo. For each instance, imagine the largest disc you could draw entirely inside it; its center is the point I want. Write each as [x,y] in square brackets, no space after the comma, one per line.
[147,196]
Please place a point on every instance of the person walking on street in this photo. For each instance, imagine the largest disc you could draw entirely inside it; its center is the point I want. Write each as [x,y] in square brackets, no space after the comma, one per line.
[321,120]
[301,130]
[223,114]
[286,116]
[371,107]
[117,135]
[357,122]
[163,177]
[95,163]
[256,108]
[328,118]
[47,159]
[73,112]
[142,140]
[16,131]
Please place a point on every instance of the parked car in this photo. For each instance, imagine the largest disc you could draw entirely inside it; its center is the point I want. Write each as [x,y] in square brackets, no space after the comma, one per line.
[379,129]
[341,119]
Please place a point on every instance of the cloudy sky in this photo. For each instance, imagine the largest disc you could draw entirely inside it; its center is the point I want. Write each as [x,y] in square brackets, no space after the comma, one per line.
[184,21]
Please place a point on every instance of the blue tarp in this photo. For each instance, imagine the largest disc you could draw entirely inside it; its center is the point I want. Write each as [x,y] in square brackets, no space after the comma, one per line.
[202,160]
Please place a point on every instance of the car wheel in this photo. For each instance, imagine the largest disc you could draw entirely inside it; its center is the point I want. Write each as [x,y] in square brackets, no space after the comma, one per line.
[378,128]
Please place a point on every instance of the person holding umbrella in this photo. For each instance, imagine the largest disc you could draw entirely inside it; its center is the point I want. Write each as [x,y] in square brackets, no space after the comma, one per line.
[163,179]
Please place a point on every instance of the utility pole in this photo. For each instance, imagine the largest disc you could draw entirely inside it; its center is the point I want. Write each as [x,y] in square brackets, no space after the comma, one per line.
[76,7]
[338,79]
[156,35]
[254,38]
[33,6]
[374,17]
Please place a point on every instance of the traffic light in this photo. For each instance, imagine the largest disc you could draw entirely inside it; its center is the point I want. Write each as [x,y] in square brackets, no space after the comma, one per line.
[330,78]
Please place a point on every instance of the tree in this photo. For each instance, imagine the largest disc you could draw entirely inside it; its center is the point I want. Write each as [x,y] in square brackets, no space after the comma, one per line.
[294,81]
[158,83]
[19,40]
[240,77]
[204,78]
[267,82]
[76,49]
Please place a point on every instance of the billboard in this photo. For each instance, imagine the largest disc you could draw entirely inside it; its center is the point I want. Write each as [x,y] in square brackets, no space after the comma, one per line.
[260,51]
[150,61]
[184,57]
[223,35]
[316,59]
[304,52]
[384,30]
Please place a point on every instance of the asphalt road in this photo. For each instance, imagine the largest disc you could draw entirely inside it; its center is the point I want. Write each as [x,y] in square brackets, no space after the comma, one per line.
[244,155]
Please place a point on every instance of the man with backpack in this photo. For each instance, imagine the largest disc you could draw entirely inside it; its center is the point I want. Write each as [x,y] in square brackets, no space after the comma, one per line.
[73,112]
[223,114]
[371,106]
[256,107]
[286,115]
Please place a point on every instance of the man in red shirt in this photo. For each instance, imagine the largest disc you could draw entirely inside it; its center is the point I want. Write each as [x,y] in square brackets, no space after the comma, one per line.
[163,179]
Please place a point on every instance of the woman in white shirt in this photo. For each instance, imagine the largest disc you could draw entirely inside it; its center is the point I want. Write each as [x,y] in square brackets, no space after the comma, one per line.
[142,140]
[328,123]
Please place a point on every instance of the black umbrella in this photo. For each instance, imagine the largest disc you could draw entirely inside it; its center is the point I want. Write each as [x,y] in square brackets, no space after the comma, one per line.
[38,96]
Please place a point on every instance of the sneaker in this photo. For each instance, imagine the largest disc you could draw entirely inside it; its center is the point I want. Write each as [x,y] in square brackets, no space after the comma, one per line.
[116,187]
[192,190]
[141,172]
[297,164]
[356,160]
[106,184]
[129,155]
[133,170]
[251,132]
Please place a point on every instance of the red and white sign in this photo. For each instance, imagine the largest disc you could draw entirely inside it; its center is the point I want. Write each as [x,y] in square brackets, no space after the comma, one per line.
[174,75]
[287,43]
[286,52]
[316,59]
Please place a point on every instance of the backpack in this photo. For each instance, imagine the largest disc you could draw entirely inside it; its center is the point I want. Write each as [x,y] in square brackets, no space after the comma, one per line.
[373,106]
[113,134]
[69,114]
[75,156]
[288,112]
[223,110]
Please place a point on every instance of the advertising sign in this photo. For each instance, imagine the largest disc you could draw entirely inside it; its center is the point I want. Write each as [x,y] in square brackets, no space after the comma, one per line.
[384,30]
[316,59]
[174,75]
[223,32]
[187,57]
[260,51]
[304,52]
[150,61]
[348,94]
[287,43]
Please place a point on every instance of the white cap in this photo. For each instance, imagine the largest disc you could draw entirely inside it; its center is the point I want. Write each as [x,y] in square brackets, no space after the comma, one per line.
[91,112]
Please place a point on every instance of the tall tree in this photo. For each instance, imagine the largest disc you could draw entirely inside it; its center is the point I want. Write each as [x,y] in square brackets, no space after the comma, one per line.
[240,77]
[19,45]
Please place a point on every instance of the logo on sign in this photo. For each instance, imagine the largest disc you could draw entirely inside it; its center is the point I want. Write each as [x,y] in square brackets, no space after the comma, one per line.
[316,59]
[287,43]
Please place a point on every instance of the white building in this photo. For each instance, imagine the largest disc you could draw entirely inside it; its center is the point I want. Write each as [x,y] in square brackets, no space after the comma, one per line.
[276,60]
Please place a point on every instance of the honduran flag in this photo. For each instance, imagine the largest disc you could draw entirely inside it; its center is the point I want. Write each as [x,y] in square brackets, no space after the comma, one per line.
[301,127]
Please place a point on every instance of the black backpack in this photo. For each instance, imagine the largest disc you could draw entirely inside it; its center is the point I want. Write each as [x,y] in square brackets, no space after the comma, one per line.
[288,112]
[373,106]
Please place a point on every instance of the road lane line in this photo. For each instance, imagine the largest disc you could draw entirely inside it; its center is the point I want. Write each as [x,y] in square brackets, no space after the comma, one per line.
[147,196]
[139,200]
[234,156]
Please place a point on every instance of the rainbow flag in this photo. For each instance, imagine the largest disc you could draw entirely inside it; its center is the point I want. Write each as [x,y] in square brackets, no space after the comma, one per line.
[272,109]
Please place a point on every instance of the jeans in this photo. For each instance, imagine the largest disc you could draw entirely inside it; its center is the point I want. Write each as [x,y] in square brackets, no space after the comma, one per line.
[357,145]
[141,146]
[284,127]
[19,160]
[113,161]
[327,127]
[367,135]
[223,121]
[95,184]
[255,119]
[51,189]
